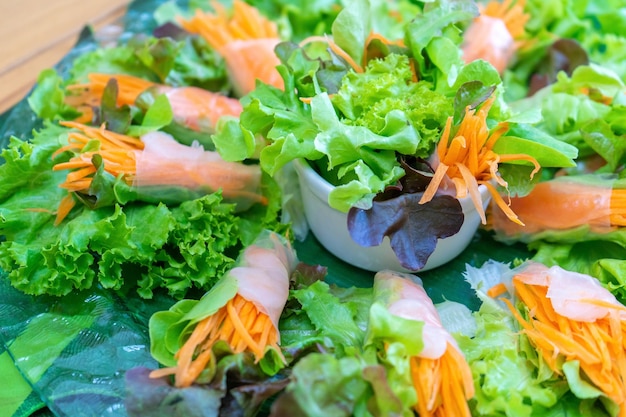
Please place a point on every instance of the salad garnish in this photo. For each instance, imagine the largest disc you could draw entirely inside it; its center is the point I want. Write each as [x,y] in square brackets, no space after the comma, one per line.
[468,160]
[388,106]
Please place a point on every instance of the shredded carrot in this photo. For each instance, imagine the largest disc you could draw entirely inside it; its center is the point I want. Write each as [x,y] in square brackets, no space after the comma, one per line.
[595,95]
[116,150]
[239,323]
[497,290]
[414,77]
[129,88]
[67,204]
[443,385]
[343,54]
[373,35]
[377,36]
[469,161]
[597,345]
[218,28]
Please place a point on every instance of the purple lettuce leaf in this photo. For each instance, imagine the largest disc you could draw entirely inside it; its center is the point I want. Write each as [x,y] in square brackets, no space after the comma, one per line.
[157,397]
[563,55]
[237,390]
[413,229]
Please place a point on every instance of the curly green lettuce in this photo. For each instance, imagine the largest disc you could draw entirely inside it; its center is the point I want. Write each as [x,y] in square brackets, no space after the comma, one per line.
[137,246]
[364,99]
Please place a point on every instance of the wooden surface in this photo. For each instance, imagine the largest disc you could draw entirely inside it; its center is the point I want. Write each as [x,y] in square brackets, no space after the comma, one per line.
[36,34]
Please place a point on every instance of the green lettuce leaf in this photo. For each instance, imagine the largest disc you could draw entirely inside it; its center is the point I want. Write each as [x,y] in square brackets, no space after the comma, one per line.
[439,21]
[351,28]
[322,385]
[47,98]
[505,379]
[176,248]
[333,317]
[385,88]
[585,121]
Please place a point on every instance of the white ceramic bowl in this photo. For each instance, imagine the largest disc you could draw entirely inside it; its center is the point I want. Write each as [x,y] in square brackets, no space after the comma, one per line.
[330,228]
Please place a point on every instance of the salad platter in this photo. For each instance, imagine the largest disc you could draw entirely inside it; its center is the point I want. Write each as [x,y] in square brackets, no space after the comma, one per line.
[149,192]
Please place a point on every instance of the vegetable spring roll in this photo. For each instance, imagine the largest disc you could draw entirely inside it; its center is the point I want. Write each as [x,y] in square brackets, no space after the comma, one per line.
[165,162]
[565,203]
[245,39]
[577,326]
[496,33]
[151,165]
[440,375]
[242,310]
[193,107]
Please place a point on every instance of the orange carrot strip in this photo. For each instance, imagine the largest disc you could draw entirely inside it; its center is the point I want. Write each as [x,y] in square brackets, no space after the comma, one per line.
[431,190]
[80,185]
[80,174]
[501,204]
[497,290]
[336,49]
[522,157]
[412,65]
[161,372]
[474,193]
[343,54]
[66,205]
[72,164]
[68,147]
[457,151]
[243,332]
[602,303]
[196,367]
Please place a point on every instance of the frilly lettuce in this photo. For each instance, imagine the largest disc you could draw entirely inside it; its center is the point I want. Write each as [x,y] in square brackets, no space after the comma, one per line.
[385,89]
[140,246]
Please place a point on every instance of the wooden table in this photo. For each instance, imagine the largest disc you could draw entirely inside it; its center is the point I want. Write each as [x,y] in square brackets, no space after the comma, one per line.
[36,34]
